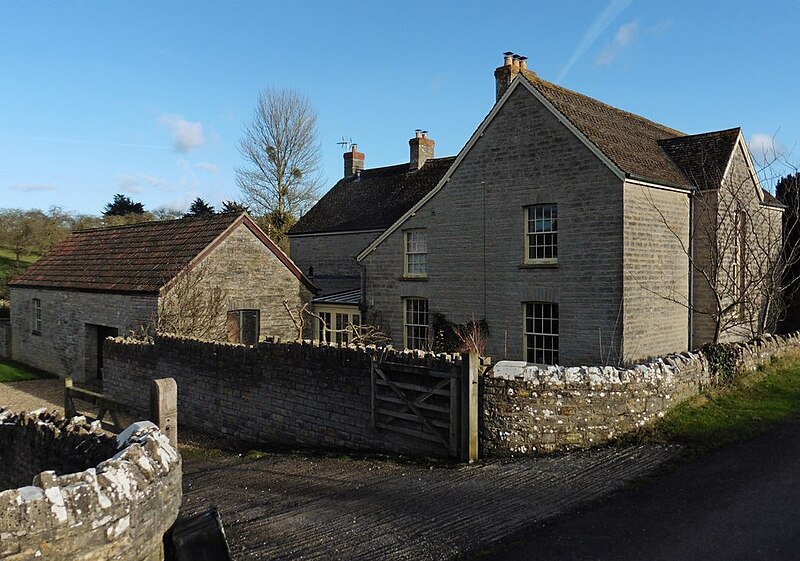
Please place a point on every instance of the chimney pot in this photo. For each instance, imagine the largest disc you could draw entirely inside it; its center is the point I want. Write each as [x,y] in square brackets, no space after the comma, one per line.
[523,63]
[513,64]
[507,58]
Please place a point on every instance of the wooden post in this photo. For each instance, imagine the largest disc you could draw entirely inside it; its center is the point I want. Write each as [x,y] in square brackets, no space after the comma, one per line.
[164,407]
[68,412]
[470,370]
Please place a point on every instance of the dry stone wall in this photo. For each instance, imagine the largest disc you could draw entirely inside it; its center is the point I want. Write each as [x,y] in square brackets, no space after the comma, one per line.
[528,410]
[286,394]
[118,508]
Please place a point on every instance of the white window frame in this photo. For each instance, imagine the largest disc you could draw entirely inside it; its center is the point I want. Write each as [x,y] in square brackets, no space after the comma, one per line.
[540,332]
[418,253]
[338,321]
[416,323]
[36,316]
[537,237]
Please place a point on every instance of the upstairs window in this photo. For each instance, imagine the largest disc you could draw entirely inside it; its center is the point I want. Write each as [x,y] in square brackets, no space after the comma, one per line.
[541,332]
[416,253]
[416,324]
[36,317]
[244,326]
[541,234]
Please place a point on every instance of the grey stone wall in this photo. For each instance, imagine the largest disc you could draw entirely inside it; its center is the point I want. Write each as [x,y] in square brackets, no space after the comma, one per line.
[252,277]
[286,394]
[655,316]
[476,240]
[61,347]
[530,411]
[333,258]
[119,508]
[5,338]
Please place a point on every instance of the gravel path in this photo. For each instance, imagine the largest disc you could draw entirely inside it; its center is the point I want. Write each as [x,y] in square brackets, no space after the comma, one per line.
[31,395]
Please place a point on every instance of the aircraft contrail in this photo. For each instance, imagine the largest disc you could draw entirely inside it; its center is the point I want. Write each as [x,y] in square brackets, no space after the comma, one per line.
[75,141]
[606,18]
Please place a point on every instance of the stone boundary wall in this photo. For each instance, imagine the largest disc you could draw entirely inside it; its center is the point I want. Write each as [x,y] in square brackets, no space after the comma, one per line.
[117,509]
[5,338]
[273,393]
[529,410]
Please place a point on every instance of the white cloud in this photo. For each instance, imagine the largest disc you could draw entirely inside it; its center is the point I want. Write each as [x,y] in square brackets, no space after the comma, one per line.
[764,147]
[33,187]
[186,135]
[626,35]
[601,22]
[208,167]
[136,183]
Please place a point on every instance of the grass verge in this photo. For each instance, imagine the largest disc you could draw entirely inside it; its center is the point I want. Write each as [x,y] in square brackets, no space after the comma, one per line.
[11,371]
[721,416]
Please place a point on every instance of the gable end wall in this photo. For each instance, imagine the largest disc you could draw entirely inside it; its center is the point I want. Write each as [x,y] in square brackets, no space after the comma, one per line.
[476,239]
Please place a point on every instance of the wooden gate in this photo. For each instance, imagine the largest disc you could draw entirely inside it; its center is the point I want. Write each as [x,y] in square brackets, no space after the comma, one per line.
[419,402]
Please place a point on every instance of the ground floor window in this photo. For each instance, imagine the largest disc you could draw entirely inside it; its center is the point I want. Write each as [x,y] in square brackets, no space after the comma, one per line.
[337,325]
[244,326]
[416,324]
[541,332]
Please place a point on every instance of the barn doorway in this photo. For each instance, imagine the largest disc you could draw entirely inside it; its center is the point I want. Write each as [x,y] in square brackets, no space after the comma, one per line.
[95,335]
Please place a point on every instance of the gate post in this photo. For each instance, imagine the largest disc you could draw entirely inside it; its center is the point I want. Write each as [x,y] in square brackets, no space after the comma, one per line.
[470,370]
[164,408]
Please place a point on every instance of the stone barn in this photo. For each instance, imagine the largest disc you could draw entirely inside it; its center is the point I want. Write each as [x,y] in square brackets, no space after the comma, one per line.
[218,278]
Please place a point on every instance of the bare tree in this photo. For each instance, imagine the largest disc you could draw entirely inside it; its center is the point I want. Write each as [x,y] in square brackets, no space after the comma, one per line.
[194,306]
[280,178]
[736,253]
[362,334]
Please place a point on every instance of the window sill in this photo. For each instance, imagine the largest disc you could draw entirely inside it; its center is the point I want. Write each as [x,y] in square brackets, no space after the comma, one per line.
[542,265]
[413,279]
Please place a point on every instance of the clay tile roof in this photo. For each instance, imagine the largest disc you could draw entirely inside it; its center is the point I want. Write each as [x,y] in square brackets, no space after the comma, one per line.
[372,201]
[138,258]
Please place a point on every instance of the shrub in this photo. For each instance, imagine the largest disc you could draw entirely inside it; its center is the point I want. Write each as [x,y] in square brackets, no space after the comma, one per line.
[722,360]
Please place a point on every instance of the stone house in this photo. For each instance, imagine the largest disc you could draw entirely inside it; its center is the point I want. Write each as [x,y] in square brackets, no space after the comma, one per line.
[579,232]
[361,206]
[218,277]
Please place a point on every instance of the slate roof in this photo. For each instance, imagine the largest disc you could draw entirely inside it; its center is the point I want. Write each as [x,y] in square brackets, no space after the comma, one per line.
[372,201]
[137,258]
[349,297]
[702,157]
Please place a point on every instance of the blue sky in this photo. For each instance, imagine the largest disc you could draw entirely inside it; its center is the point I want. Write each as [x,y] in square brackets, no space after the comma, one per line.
[149,98]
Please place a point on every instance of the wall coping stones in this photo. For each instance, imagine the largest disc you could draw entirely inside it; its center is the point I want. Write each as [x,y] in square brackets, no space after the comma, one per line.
[117,509]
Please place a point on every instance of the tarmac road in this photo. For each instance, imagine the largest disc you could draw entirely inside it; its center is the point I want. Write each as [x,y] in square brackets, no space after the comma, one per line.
[740,503]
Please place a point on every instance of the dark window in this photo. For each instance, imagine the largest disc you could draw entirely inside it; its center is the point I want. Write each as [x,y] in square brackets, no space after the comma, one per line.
[541,332]
[541,232]
[243,326]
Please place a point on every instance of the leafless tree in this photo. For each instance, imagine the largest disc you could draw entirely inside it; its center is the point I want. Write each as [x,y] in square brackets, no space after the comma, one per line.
[736,252]
[280,178]
[362,334]
[194,306]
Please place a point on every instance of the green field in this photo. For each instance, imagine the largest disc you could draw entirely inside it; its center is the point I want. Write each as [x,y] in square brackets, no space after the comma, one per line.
[9,269]
[726,415]
[14,372]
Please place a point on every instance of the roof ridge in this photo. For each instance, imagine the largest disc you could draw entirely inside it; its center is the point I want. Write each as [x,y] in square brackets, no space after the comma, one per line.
[686,136]
[535,78]
[154,222]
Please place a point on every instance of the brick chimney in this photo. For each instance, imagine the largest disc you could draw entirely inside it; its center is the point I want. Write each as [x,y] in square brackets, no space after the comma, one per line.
[421,149]
[513,64]
[353,161]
